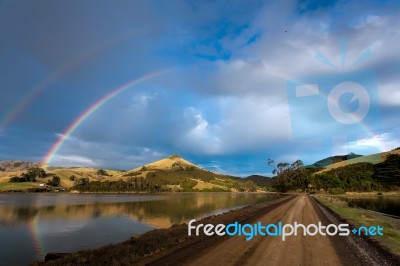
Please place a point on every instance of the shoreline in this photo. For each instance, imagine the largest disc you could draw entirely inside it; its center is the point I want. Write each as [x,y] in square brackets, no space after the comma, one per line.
[389,244]
[158,240]
[174,245]
[136,192]
[394,193]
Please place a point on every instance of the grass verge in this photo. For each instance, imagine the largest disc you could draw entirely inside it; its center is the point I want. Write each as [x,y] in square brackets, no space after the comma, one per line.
[359,217]
[17,186]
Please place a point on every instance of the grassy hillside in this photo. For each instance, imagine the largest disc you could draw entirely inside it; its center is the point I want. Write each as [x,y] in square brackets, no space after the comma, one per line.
[171,162]
[377,172]
[333,160]
[9,166]
[198,179]
[259,180]
[373,158]
[170,174]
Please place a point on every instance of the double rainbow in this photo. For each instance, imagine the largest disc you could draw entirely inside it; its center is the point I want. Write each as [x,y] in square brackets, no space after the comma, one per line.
[64,136]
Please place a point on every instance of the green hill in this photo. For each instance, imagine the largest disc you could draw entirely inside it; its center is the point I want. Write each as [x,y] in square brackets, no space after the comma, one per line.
[373,158]
[259,180]
[333,159]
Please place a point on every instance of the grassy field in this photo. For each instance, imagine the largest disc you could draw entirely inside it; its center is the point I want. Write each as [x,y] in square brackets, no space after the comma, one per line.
[17,186]
[372,194]
[358,217]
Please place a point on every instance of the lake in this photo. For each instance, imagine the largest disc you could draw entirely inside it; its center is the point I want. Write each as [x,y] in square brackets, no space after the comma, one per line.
[32,225]
[388,205]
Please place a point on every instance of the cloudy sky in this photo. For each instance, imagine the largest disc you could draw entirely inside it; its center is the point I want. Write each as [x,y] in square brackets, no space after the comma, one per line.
[244,81]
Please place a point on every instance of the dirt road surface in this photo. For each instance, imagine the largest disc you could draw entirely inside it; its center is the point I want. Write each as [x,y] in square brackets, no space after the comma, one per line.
[266,250]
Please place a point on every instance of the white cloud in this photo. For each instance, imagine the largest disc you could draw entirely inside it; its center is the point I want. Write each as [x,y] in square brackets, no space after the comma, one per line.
[72,160]
[389,94]
[245,124]
[382,142]
[254,121]
[201,137]
[79,152]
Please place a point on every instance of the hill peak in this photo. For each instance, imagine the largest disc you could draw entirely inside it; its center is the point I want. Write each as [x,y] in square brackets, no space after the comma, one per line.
[175,156]
[170,162]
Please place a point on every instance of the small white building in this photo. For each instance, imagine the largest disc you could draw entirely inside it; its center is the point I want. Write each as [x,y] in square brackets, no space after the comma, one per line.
[42,185]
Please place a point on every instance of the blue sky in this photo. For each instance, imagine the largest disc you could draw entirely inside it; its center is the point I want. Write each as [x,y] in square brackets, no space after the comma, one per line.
[225,105]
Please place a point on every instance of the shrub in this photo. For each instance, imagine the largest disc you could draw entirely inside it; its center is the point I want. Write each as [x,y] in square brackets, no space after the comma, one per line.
[177,167]
[14,179]
[133,173]
[102,172]
[336,191]
[188,184]
[81,181]
[37,172]
[55,181]
[27,177]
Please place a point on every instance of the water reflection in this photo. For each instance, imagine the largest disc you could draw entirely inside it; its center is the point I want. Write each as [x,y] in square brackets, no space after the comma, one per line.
[379,204]
[159,211]
[42,223]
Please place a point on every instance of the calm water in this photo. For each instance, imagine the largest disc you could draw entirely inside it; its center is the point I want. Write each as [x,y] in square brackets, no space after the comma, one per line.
[379,204]
[32,225]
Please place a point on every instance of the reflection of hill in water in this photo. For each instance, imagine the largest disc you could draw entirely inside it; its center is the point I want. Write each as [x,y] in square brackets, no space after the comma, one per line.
[385,205]
[155,213]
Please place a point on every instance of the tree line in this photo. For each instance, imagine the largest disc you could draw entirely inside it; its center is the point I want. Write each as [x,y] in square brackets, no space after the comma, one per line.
[34,173]
[131,185]
[354,177]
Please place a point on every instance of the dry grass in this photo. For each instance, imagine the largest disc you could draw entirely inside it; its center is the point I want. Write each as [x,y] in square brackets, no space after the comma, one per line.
[63,173]
[165,164]
[205,185]
[17,186]
[372,194]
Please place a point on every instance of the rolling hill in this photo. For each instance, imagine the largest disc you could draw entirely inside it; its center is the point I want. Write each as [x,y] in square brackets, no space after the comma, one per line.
[372,158]
[259,180]
[178,174]
[333,159]
[171,162]
[169,174]
[13,166]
